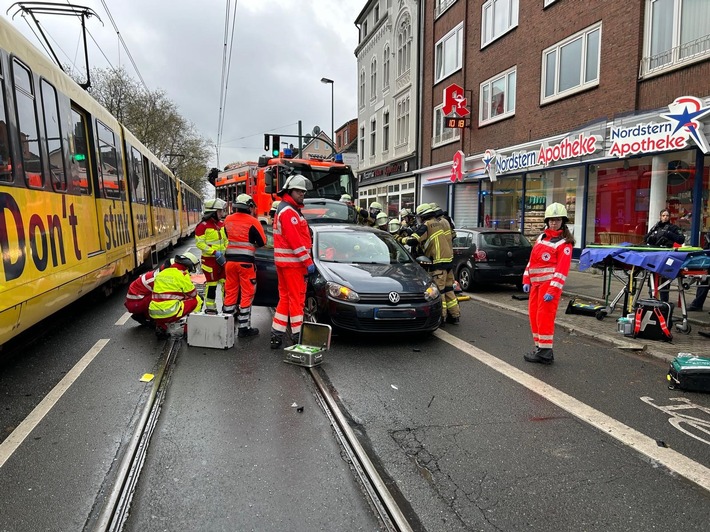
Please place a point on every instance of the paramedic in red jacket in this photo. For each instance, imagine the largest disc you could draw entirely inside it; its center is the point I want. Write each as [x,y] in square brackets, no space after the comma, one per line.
[139,295]
[544,277]
[292,257]
[244,235]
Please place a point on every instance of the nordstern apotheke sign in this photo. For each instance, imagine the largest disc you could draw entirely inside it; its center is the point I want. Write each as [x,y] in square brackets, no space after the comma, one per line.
[683,125]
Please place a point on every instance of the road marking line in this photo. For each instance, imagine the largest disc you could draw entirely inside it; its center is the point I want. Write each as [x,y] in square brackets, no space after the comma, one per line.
[123,319]
[673,460]
[15,439]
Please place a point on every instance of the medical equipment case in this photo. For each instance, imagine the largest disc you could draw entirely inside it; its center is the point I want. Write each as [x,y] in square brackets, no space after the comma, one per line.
[690,373]
[210,330]
[313,342]
[653,320]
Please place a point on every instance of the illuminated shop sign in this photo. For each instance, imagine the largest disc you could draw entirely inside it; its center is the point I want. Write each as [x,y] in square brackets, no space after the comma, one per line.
[681,126]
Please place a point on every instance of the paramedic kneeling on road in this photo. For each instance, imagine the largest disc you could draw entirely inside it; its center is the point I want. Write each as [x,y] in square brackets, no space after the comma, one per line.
[174,295]
[292,248]
[544,277]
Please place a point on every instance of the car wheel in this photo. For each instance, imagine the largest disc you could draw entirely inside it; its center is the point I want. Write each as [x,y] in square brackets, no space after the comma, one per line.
[310,309]
[465,278]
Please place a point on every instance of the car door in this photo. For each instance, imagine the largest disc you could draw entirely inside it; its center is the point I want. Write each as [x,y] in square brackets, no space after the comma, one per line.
[267,293]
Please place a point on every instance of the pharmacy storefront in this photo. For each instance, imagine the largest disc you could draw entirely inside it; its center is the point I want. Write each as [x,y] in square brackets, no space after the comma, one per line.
[614,178]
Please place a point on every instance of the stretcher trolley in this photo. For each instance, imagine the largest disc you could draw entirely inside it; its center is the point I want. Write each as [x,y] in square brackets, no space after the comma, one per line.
[658,269]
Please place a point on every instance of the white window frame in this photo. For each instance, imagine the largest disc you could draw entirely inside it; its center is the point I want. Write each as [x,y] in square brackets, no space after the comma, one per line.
[404,47]
[373,78]
[491,12]
[442,5]
[584,84]
[453,38]
[402,121]
[486,97]
[546,3]
[442,135]
[373,136]
[679,54]
[386,68]
[362,143]
[361,96]
[385,130]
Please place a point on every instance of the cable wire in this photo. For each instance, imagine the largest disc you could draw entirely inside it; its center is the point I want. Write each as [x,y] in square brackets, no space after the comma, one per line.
[228,46]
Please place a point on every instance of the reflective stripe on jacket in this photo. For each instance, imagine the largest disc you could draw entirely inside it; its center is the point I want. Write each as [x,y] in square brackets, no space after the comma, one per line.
[292,238]
[434,238]
[171,287]
[209,237]
[244,234]
[550,261]
[141,287]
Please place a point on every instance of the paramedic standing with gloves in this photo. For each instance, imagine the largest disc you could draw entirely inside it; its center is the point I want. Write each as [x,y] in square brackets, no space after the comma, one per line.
[292,257]
[210,240]
[544,277]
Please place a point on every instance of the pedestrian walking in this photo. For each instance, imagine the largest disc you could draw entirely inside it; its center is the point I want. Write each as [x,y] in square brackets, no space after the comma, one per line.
[244,234]
[544,278]
[292,258]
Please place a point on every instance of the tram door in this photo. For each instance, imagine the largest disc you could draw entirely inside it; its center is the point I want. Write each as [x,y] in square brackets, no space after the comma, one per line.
[83,183]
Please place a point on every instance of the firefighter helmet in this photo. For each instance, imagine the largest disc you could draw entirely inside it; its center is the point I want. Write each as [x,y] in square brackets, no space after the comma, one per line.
[296,182]
[214,205]
[375,205]
[244,203]
[423,209]
[189,260]
[404,213]
[346,198]
[556,210]
[275,204]
[381,220]
[394,226]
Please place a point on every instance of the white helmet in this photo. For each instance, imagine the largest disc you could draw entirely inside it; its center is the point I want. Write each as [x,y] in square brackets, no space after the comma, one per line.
[214,205]
[556,210]
[381,220]
[188,259]
[296,182]
[346,198]
[244,203]
[394,226]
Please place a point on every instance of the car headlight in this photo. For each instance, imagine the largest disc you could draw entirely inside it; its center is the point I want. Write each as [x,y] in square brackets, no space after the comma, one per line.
[338,291]
[431,293]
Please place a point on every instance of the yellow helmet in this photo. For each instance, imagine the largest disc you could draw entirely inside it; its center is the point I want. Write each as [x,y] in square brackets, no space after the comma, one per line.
[189,260]
[381,220]
[556,210]
[215,204]
[423,208]
[275,204]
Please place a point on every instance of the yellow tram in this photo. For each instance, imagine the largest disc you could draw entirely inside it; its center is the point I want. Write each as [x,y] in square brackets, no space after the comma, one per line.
[82,201]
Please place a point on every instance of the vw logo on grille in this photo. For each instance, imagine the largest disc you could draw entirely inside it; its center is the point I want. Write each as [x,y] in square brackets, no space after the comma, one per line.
[510,254]
[393,297]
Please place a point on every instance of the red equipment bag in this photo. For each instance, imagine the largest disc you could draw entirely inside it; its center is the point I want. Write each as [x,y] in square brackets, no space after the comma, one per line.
[653,320]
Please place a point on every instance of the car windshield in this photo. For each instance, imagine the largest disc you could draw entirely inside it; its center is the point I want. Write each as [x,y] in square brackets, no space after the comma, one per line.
[505,240]
[360,248]
[316,211]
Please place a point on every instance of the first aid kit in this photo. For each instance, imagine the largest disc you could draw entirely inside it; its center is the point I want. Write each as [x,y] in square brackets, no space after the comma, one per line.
[313,342]
[210,330]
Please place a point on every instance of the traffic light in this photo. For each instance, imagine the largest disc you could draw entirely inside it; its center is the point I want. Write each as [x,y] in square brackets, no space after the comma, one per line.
[267,143]
[275,145]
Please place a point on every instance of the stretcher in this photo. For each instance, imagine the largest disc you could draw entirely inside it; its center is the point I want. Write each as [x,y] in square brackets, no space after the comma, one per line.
[639,267]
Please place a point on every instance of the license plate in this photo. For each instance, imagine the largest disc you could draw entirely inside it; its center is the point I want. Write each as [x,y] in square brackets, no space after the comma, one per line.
[395,313]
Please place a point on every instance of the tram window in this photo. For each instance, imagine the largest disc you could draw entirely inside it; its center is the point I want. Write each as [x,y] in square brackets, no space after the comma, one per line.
[78,150]
[53,135]
[5,163]
[27,122]
[109,167]
[137,177]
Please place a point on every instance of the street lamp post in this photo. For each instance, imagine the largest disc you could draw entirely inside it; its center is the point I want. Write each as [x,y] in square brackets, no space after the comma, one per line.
[332,106]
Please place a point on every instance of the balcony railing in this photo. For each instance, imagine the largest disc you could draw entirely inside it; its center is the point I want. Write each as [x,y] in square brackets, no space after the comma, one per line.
[678,55]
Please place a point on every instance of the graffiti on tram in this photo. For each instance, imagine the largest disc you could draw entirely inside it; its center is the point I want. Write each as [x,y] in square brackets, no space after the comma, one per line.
[50,237]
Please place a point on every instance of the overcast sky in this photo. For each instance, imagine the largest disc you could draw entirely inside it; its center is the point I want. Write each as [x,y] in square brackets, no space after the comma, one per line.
[281,50]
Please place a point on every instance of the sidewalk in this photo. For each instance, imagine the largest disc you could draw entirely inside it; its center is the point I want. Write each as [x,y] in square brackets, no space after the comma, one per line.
[587,286]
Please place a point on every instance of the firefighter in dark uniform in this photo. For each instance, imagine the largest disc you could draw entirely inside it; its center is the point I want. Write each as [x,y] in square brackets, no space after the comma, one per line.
[434,237]
[368,217]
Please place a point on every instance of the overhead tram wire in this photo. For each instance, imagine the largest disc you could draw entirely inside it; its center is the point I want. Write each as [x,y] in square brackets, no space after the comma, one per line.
[123,43]
[226,65]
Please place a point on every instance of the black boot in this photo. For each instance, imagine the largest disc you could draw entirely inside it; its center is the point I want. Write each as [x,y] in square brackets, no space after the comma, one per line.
[540,356]
[247,331]
[276,341]
[452,319]
[531,356]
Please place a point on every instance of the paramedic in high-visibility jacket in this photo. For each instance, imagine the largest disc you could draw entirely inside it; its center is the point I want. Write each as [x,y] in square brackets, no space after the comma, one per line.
[174,295]
[211,241]
[544,278]
[292,257]
[244,235]
[139,295]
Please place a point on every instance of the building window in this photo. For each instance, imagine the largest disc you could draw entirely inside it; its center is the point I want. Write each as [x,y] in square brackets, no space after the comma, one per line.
[373,79]
[385,131]
[677,32]
[377,13]
[345,137]
[404,46]
[571,65]
[386,69]
[362,143]
[442,5]
[364,29]
[499,17]
[548,2]
[449,54]
[443,134]
[373,136]
[361,95]
[402,127]
[497,99]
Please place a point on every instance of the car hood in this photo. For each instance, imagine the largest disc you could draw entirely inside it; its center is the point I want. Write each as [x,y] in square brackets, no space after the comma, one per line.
[371,278]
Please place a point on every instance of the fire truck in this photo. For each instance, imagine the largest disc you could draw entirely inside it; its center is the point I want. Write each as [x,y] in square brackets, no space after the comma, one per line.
[261,180]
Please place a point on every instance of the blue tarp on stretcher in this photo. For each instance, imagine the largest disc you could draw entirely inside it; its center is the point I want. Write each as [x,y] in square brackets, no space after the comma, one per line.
[665,262]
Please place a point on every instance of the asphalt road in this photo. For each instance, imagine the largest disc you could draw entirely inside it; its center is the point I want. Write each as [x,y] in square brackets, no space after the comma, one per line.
[464,431]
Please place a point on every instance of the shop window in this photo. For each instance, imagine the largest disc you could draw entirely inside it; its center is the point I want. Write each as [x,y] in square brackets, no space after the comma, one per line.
[552,186]
[502,203]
